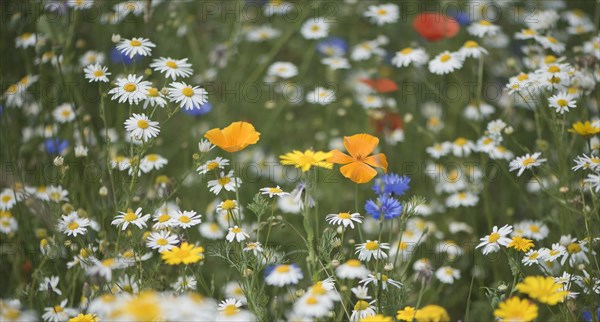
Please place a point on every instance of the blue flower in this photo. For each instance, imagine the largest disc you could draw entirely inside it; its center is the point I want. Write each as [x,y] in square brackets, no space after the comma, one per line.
[118,57]
[199,110]
[56,146]
[391,183]
[386,206]
[332,46]
[460,16]
[587,316]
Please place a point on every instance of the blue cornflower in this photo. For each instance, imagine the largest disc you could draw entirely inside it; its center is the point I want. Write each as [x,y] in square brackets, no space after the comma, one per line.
[56,146]
[587,315]
[391,183]
[118,57]
[198,110]
[386,206]
[332,46]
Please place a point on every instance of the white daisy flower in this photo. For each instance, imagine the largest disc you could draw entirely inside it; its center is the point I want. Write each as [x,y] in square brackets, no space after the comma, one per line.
[50,284]
[172,68]
[447,274]
[525,162]
[7,199]
[549,42]
[8,223]
[472,49]
[225,181]
[136,46]
[483,28]
[131,218]
[315,28]
[562,102]
[217,163]
[80,4]
[262,33]
[81,151]
[532,256]
[321,96]
[57,194]
[407,56]
[152,161]
[525,34]
[585,162]
[58,313]
[554,253]
[344,218]
[446,63]
[382,14]
[236,233]
[369,101]
[186,219]
[478,112]
[283,274]
[312,306]
[593,182]
[439,150]
[254,247]
[273,191]
[361,292]
[130,89]
[385,281]
[336,62]
[462,147]
[372,248]
[229,310]
[154,97]
[64,113]
[141,128]
[283,70]
[73,225]
[161,240]
[462,199]
[96,73]
[277,7]
[211,231]
[352,269]
[189,97]
[26,40]
[492,242]
[366,49]
[91,57]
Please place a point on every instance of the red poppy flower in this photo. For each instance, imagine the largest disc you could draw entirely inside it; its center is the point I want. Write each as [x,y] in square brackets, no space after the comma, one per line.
[381,85]
[390,121]
[435,26]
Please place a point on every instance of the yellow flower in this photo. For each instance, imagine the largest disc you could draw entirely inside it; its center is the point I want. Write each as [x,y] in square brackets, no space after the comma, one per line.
[432,313]
[84,318]
[307,159]
[376,318]
[186,254]
[235,137]
[515,309]
[358,165]
[543,289]
[584,129]
[406,314]
[521,244]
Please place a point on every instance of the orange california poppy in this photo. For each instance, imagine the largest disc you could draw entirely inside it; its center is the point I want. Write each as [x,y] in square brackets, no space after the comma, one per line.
[236,137]
[358,165]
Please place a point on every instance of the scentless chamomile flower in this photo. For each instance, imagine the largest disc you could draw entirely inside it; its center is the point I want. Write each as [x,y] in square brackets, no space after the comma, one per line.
[186,219]
[282,70]
[283,274]
[141,127]
[446,63]
[315,28]
[352,269]
[236,233]
[172,68]
[472,49]
[526,162]
[211,230]
[362,309]
[321,96]
[64,113]
[483,28]
[50,284]
[218,163]
[262,33]
[136,46]
[409,55]
[447,274]
[224,181]
[382,14]
[187,96]
[492,242]
[549,42]
[384,279]
[372,249]
[152,161]
[131,218]
[59,312]
[562,102]
[130,89]
[96,73]
[335,63]
[153,98]
[273,191]
[162,240]
[73,225]
[344,219]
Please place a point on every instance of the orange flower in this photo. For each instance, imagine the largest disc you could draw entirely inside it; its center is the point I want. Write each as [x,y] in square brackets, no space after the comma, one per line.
[358,165]
[236,137]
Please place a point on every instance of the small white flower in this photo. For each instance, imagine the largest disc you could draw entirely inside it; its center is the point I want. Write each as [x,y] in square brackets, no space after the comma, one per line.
[382,14]
[483,28]
[407,56]
[64,113]
[217,164]
[73,225]
[50,284]
[344,219]
[284,274]
[372,249]
[447,274]
[525,162]
[321,96]
[96,73]
[236,233]
[562,102]
[81,151]
[189,97]
[134,218]
[172,68]
[162,240]
[136,46]
[225,181]
[352,269]
[141,128]
[446,63]
[315,28]
[492,242]
[130,89]
[283,70]
[276,191]
[186,219]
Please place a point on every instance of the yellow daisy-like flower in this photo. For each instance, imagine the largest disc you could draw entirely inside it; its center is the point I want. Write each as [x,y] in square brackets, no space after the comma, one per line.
[542,289]
[521,244]
[84,318]
[406,314]
[186,254]
[584,129]
[432,313]
[515,309]
[307,159]
[376,318]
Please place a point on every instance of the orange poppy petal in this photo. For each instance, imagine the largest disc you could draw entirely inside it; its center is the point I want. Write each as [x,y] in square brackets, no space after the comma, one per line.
[216,137]
[358,172]
[377,160]
[360,145]
[339,157]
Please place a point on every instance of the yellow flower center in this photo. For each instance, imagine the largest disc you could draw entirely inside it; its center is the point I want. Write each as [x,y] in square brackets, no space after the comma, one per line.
[553,69]
[73,225]
[493,237]
[529,32]
[353,263]
[282,268]
[361,305]
[318,289]
[275,190]
[573,248]
[315,28]
[460,141]
[534,255]
[184,219]
[528,161]
[228,204]
[406,51]
[135,43]
[163,218]
[212,165]
[471,44]
[130,87]
[485,23]
[445,57]
[162,242]
[6,198]
[187,91]
[562,102]
[552,39]
[534,228]
[171,64]
[143,124]
[153,92]
[224,180]
[372,245]
[522,77]
[58,309]
[381,12]
[311,300]
[344,215]
[230,310]
[236,230]
[98,73]
[152,157]
[130,216]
